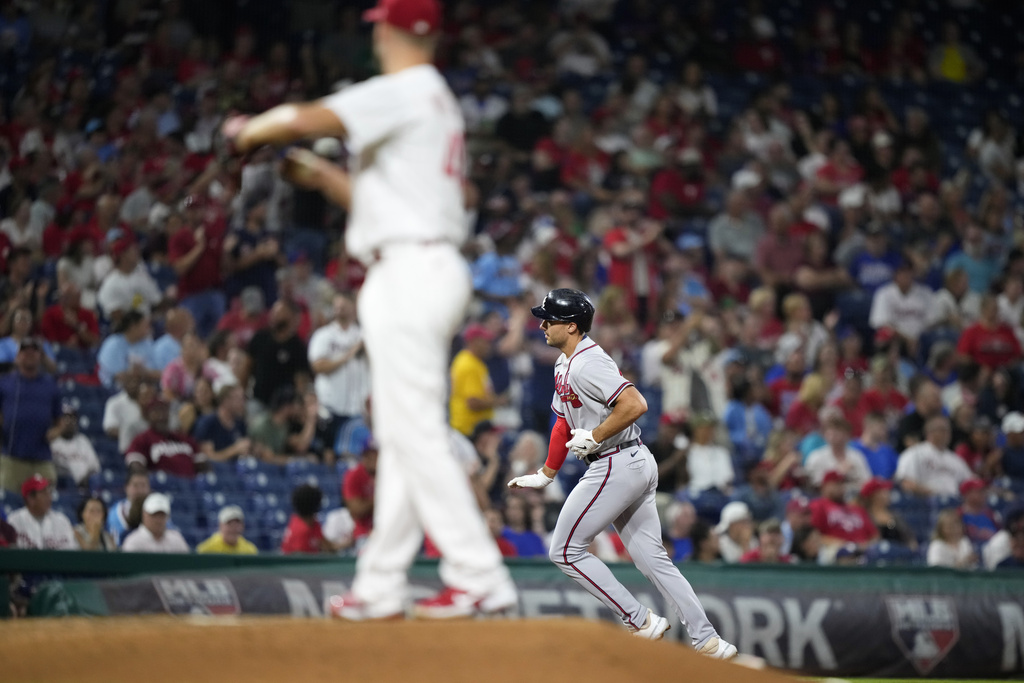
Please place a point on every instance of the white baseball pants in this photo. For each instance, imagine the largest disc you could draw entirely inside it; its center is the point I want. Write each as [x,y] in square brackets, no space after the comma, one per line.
[410,307]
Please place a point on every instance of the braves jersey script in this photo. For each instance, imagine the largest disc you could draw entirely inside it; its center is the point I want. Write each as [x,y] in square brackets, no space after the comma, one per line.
[175,454]
[586,385]
[406,134]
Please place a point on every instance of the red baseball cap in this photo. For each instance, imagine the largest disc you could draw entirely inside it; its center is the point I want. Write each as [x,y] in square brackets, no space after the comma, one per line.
[419,17]
[833,476]
[34,484]
[873,486]
[971,485]
[477,331]
[798,504]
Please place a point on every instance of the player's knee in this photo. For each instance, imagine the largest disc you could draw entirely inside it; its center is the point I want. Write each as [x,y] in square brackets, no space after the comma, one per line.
[565,555]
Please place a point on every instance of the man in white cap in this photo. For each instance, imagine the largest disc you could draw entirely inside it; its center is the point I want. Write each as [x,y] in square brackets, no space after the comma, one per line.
[1013,451]
[228,539]
[153,536]
[735,531]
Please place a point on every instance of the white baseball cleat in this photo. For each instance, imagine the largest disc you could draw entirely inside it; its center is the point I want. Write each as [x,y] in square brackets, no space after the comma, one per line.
[350,608]
[716,648]
[654,628]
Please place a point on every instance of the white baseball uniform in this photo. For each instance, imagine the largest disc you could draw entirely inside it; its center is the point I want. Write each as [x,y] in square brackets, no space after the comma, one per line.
[406,223]
[344,391]
[618,488]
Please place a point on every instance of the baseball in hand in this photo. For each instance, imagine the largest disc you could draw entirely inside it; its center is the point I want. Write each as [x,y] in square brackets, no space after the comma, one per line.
[231,127]
[302,167]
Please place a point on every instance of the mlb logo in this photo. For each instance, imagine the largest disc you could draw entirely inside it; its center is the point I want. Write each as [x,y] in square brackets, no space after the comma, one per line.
[924,628]
[212,597]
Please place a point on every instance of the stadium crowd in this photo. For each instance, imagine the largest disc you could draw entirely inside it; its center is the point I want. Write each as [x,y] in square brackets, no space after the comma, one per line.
[801,224]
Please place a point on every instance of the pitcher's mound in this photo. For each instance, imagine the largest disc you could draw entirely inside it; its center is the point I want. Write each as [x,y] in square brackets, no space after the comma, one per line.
[281,650]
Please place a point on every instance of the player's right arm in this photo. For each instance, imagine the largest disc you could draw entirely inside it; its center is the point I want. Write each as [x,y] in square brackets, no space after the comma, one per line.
[557,451]
[284,124]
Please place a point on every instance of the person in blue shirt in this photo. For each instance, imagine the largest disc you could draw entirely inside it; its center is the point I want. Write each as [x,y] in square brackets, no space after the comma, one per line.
[22,322]
[873,443]
[875,266]
[129,350]
[122,518]
[178,323]
[222,434]
[497,275]
[518,522]
[981,269]
[749,423]
[31,406]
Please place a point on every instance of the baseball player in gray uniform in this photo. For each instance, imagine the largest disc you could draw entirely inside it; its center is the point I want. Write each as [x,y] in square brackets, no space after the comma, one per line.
[597,411]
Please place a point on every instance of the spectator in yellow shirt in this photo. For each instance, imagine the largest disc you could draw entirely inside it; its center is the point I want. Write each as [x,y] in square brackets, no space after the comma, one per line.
[229,538]
[472,394]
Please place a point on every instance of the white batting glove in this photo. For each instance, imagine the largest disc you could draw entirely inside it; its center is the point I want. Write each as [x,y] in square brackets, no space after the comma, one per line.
[582,443]
[531,481]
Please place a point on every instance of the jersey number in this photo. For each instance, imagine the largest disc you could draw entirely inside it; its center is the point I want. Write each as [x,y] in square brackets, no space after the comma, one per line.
[455,157]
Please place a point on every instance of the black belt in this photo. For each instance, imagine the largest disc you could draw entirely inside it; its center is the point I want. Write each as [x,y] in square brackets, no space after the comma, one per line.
[594,457]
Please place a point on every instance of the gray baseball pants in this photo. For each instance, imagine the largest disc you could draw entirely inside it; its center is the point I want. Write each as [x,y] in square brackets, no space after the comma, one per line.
[619,490]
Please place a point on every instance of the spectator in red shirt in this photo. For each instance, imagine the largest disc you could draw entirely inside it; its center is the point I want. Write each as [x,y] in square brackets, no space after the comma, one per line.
[549,155]
[990,342]
[852,403]
[633,248]
[158,448]
[779,253]
[303,533]
[585,166]
[357,490]
[67,323]
[884,396]
[677,191]
[802,416]
[247,316]
[769,545]
[839,172]
[496,525]
[195,251]
[838,521]
[784,389]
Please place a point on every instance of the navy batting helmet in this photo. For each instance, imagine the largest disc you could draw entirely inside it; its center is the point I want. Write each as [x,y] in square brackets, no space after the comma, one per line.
[567,305]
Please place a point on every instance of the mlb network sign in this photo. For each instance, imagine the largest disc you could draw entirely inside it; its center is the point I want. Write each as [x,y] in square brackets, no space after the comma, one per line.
[835,634]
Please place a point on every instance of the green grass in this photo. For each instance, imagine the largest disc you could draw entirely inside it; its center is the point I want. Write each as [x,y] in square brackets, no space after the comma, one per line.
[918,680]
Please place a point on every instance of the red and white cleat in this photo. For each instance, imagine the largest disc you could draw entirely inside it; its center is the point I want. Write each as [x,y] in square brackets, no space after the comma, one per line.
[452,603]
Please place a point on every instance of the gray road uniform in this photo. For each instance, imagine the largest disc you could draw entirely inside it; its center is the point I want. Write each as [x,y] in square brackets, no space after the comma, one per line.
[618,488]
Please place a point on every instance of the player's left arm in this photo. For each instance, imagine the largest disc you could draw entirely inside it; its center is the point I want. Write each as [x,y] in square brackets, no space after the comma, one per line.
[627,409]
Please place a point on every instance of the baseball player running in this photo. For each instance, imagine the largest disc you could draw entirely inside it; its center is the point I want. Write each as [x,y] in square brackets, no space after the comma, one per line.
[597,410]
[406,222]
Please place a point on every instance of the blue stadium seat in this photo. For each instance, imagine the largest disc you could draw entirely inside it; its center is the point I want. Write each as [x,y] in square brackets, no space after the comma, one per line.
[168,483]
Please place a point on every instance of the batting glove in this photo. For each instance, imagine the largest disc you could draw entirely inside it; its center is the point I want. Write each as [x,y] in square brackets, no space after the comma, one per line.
[582,443]
[531,481]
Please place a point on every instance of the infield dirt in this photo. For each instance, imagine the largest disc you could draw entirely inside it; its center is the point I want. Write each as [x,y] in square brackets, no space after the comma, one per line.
[281,650]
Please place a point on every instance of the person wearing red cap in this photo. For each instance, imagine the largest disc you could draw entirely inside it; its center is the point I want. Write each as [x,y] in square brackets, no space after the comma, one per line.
[981,522]
[38,525]
[129,286]
[472,399]
[838,521]
[876,499]
[406,223]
